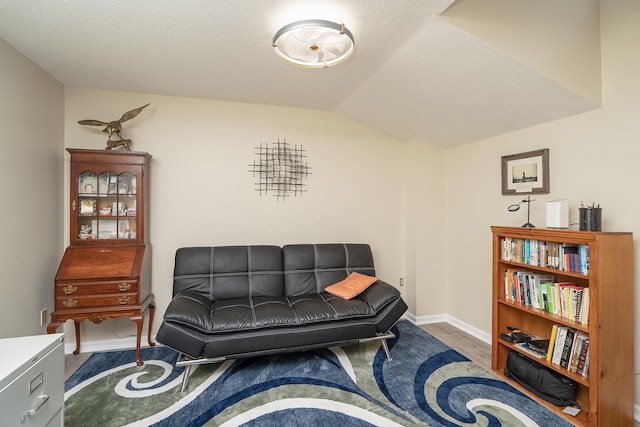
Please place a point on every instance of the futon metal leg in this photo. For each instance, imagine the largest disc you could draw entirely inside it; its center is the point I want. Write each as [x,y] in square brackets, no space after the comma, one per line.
[189,363]
[186,374]
[381,337]
[386,348]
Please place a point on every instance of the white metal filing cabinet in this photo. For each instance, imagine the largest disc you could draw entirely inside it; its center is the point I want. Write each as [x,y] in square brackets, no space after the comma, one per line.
[32,381]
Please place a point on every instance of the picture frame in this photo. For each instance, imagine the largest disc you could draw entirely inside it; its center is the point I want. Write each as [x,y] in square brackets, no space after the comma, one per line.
[103,182]
[87,183]
[526,173]
[107,229]
[123,184]
[87,206]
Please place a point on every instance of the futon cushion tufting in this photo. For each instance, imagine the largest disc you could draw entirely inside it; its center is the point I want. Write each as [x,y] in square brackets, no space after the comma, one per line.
[203,315]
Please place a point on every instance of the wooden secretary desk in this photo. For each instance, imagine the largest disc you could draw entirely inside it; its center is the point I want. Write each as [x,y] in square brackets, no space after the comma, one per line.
[106,270]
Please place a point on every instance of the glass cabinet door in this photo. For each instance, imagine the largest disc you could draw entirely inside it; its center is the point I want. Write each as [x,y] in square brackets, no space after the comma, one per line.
[106,206]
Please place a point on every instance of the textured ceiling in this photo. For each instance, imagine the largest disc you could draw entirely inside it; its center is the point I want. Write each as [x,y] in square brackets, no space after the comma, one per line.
[413,74]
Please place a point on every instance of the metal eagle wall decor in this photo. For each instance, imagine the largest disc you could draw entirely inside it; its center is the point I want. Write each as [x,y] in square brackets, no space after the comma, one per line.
[115,127]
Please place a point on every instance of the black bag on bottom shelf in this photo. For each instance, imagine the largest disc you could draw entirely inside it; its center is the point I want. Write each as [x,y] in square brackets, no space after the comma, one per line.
[543,382]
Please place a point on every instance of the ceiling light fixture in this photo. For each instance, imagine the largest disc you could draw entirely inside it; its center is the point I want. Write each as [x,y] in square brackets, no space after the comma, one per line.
[313,43]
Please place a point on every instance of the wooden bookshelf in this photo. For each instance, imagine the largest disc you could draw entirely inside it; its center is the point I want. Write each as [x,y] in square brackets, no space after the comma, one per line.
[606,395]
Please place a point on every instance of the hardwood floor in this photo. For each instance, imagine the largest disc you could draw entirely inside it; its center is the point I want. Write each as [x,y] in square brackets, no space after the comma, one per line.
[73,362]
[476,350]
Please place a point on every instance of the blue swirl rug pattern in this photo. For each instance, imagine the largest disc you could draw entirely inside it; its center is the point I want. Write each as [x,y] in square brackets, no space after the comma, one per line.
[426,384]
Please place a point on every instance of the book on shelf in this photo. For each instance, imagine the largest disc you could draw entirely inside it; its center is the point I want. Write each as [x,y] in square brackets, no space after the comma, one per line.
[575,306]
[525,286]
[540,346]
[570,257]
[566,348]
[569,348]
[552,341]
[553,297]
[561,335]
[529,349]
[540,291]
[544,298]
[571,299]
[583,254]
[538,280]
[583,361]
[583,315]
[560,256]
[578,344]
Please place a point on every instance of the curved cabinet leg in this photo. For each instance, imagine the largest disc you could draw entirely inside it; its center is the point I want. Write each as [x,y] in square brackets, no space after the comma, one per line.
[51,327]
[152,310]
[77,328]
[138,319]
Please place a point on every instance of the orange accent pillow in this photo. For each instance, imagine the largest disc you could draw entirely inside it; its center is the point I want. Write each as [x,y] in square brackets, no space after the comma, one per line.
[352,286]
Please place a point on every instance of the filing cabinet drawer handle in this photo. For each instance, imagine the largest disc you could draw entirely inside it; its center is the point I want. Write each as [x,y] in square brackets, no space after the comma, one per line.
[43,400]
[70,289]
[124,300]
[124,286]
[70,303]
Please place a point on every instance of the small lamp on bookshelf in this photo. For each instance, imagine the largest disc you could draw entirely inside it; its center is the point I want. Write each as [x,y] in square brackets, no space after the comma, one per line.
[515,207]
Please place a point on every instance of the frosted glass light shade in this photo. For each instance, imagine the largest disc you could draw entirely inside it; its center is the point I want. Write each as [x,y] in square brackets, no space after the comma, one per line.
[314,43]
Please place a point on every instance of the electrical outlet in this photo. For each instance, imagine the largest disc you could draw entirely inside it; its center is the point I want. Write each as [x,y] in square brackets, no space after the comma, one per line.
[402,281]
[43,317]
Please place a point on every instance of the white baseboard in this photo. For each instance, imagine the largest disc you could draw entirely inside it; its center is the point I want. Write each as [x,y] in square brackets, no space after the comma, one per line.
[439,318]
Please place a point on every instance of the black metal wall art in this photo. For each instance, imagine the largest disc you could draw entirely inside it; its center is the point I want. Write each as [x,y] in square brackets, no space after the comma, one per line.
[280,170]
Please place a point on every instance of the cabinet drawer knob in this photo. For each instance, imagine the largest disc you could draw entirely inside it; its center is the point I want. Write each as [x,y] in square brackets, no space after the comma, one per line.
[70,289]
[124,286]
[124,300]
[42,400]
[105,251]
[70,303]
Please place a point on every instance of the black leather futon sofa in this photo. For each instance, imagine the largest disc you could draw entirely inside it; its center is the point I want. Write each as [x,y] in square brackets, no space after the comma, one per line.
[239,301]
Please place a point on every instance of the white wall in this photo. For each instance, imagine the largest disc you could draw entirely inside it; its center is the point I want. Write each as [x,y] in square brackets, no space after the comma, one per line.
[202,192]
[201,188]
[593,157]
[31,119]
[425,232]
[559,39]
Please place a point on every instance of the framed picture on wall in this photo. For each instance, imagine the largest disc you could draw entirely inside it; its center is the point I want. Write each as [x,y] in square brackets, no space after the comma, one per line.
[526,173]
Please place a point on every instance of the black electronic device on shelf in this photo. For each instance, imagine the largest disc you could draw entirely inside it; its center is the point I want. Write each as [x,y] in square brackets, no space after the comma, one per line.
[515,335]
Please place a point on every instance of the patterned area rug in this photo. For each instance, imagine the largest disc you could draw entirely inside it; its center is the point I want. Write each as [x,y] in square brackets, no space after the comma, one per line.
[426,383]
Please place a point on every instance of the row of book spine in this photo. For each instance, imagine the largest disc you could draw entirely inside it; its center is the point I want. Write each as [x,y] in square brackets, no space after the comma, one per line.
[542,253]
[569,348]
[541,291]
